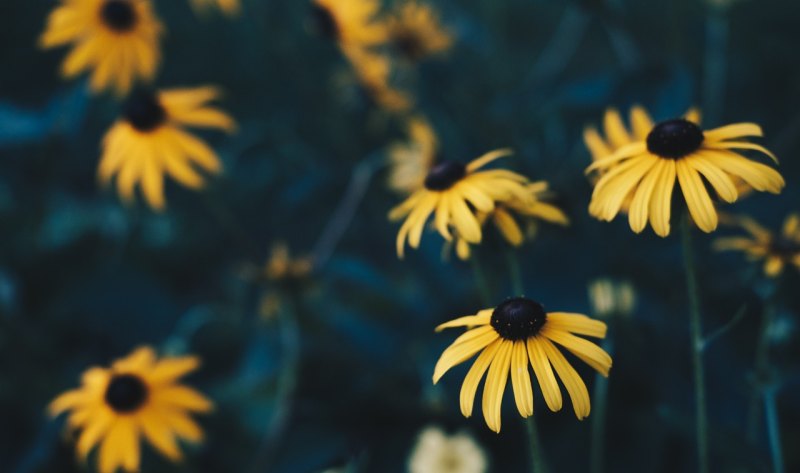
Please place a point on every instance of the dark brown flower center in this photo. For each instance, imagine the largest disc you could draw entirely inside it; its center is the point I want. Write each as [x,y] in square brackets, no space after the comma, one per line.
[324,22]
[674,139]
[444,175]
[518,318]
[119,15]
[410,45]
[126,393]
[143,111]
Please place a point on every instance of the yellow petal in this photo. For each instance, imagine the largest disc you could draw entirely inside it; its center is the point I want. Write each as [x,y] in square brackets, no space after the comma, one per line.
[544,374]
[590,353]
[496,385]
[481,318]
[488,158]
[571,379]
[576,323]
[694,191]
[464,348]
[473,378]
[521,379]
[661,201]
[737,130]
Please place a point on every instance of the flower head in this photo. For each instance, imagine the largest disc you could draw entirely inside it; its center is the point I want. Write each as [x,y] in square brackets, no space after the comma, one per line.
[645,169]
[349,22]
[117,40]
[138,394]
[532,211]
[416,32]
[437,452]
[412,160]
[509,337]
[149,141]
[448,191]
[776,251]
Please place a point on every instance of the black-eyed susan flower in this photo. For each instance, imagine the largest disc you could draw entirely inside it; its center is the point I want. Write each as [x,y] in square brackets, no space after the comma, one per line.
[149,141]
[645,171]
[410,161]
[416,31]
[229,7]
[437,452]
[450,190]
[117,40]
[516,333]
[776,251]
[532,211]
[139,395]
[350,22]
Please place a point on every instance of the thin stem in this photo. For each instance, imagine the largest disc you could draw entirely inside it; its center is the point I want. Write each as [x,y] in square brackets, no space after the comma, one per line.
[701,419]
[537,462]
[515,273]
[480,280]
[761,365]
[599,410]
[773,430]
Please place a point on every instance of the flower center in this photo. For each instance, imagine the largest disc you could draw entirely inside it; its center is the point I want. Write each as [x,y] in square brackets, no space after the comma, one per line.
[518,318]
[144,112]
[444,175]
[118,15]
[126,393]
[674,139]
[324,22]
[410,45]
[785,247]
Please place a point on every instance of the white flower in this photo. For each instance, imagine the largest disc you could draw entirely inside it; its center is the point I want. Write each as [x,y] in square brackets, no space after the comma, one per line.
[436,452]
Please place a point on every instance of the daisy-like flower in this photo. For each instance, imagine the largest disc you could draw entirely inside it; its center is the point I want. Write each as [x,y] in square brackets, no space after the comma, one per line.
[775,250]
[229,7]
[436,452]
[532,210]
[416,32]
[117,40]
[645,171]
[509,337]
[149,141]
[137,395]
[350,22]
[411,161]
[450,188]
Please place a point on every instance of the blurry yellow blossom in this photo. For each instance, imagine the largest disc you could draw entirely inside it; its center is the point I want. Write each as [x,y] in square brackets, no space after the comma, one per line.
[776,251]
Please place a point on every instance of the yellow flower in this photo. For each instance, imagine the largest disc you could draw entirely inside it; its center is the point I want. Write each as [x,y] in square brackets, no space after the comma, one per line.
[449,189]
[410,161]
[350,22]
[776,251]
[515,333]
[532,210]
[416,32]
[137,395]
[118,40]
[229,7]
[611,298]
[645,171]
[436,452]
[149,141]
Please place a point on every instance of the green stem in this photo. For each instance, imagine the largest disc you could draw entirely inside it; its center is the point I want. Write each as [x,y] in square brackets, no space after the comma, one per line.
[516,274]
[599,410]
[701,420]
[773,430]
[537,462]
[761,366]
[480,280]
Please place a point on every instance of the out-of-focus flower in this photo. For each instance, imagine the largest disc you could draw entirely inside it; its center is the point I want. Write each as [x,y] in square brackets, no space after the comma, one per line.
[645,170]
[532,210]
[774,250]
[229,7]
[611,298]
[373,70]
[416,31]
[448,189]
[117,40]
[510,336]
[412,160]
[138,395]
[436,452]
[149,141]
[350,22]
[279,270]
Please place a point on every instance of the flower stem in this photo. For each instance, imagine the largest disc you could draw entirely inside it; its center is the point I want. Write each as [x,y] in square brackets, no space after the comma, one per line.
[537,462]
[761,365]
[599,409]
[516,275]
[773,430]
[701,420]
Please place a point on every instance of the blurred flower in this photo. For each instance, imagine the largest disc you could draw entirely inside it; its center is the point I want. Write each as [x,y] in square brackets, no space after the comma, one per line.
[138,394]
[281,269]
[116,39]
[448,188]
[516,332]
[149,141]
[645,171]
[775,250]
[350,22]
[436,452]
[374,70]
[611,298]
[532,210]
[229,7]
[416,32]
[412,160]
